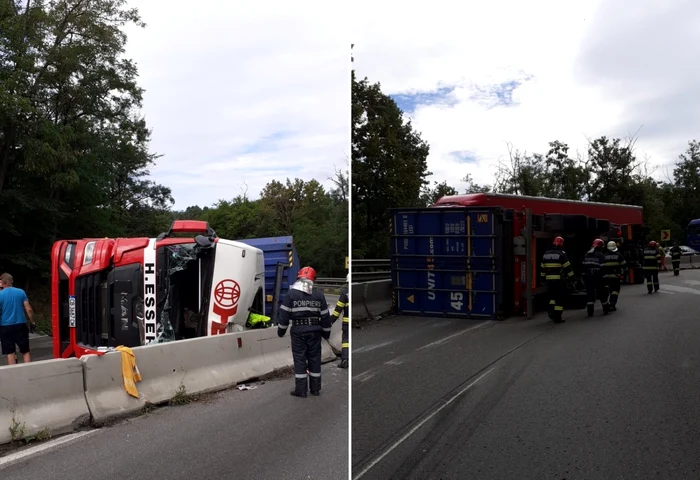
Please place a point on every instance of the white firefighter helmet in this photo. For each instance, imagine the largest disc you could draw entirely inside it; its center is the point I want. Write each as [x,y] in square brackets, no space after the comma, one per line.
[612,246]
[347,278]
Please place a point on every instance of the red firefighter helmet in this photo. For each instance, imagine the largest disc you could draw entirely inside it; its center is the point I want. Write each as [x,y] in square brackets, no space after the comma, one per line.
[558,242]
[307,272]
[598,243]
[652,244]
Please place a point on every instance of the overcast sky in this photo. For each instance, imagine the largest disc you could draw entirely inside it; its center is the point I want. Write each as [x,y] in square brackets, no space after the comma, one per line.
[476,75]
[242,93]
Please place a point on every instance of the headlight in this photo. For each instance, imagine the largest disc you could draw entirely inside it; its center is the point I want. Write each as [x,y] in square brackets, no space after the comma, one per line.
[69,252]
[89,252]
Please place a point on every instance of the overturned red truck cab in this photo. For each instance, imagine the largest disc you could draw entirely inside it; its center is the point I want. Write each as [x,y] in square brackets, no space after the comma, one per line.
[136,291]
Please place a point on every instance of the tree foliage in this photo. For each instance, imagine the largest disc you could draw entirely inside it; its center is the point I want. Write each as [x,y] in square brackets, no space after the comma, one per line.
[75,155]
[318,219]
[389,166]
[610,170]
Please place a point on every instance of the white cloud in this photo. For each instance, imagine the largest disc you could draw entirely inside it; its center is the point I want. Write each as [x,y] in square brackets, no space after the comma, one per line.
[594,68]
[243,92]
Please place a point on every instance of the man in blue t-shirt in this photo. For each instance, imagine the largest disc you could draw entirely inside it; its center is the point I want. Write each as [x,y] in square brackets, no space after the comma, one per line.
[13,323]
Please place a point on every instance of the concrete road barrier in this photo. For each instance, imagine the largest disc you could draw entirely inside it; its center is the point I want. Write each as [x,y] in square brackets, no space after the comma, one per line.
[336,340]
[192,366]
[371,299]
[41,397]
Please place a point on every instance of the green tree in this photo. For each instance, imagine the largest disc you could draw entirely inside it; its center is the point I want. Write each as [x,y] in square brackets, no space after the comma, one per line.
[473,187]
[687,184]
[565,177]
[523,175]
[74,153]
[439,190]
[389,166]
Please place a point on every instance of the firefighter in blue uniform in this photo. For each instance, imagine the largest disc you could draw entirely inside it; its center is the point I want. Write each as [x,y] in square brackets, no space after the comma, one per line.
[342,307]
[614,267]
[556,270]
[651,265]
[676,254]
[596,285]
[306,311]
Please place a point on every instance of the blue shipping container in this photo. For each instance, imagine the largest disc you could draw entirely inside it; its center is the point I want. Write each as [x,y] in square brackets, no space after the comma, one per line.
[276,250]
[446,261]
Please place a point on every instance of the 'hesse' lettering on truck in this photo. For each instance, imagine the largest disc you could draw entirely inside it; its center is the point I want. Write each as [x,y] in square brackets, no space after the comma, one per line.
[149,290]
[136,291]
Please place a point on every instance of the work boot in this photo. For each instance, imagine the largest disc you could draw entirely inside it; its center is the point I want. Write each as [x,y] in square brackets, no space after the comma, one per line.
[294,393]
[343,363]
[606,309]
[613,308]
[315,393]
[589,309]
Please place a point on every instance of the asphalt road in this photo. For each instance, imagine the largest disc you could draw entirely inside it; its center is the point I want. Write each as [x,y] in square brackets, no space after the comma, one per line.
[609,397]
[261,433]
[42,348]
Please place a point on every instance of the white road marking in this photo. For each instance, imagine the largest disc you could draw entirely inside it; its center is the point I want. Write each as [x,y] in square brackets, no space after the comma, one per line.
[366,375]
[679,289]
[666,291]
[369,348]
[12,458]
[395,361]
[447,339]
[419,425]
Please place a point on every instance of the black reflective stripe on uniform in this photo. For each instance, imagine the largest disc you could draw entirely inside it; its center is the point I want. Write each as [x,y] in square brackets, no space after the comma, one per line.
[341,305]
[555,265]
[310,321]
[652,259]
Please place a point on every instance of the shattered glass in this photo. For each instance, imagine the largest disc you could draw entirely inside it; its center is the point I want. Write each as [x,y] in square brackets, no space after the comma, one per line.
[179,256]
[165,331]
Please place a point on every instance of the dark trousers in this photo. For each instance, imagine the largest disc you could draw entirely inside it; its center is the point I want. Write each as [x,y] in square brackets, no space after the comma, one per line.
[596,289]
[676,267]
[556,290]
[652,279]
[306,351]
[614,286]
[346,339]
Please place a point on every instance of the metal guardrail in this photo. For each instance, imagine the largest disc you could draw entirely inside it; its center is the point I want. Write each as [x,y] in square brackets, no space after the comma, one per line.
[367,270]
[329,282]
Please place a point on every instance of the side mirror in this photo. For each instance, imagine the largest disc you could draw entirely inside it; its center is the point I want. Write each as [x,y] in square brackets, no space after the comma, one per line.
[202,241]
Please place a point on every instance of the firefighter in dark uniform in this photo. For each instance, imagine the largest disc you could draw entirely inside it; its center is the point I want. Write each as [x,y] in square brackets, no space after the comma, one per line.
[556,270]
[676,254]
[596,285]
[306,311]
[651,265]
[614,267]
[342,307]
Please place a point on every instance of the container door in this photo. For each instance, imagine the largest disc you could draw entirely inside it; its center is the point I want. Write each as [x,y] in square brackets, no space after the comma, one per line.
[445,262]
